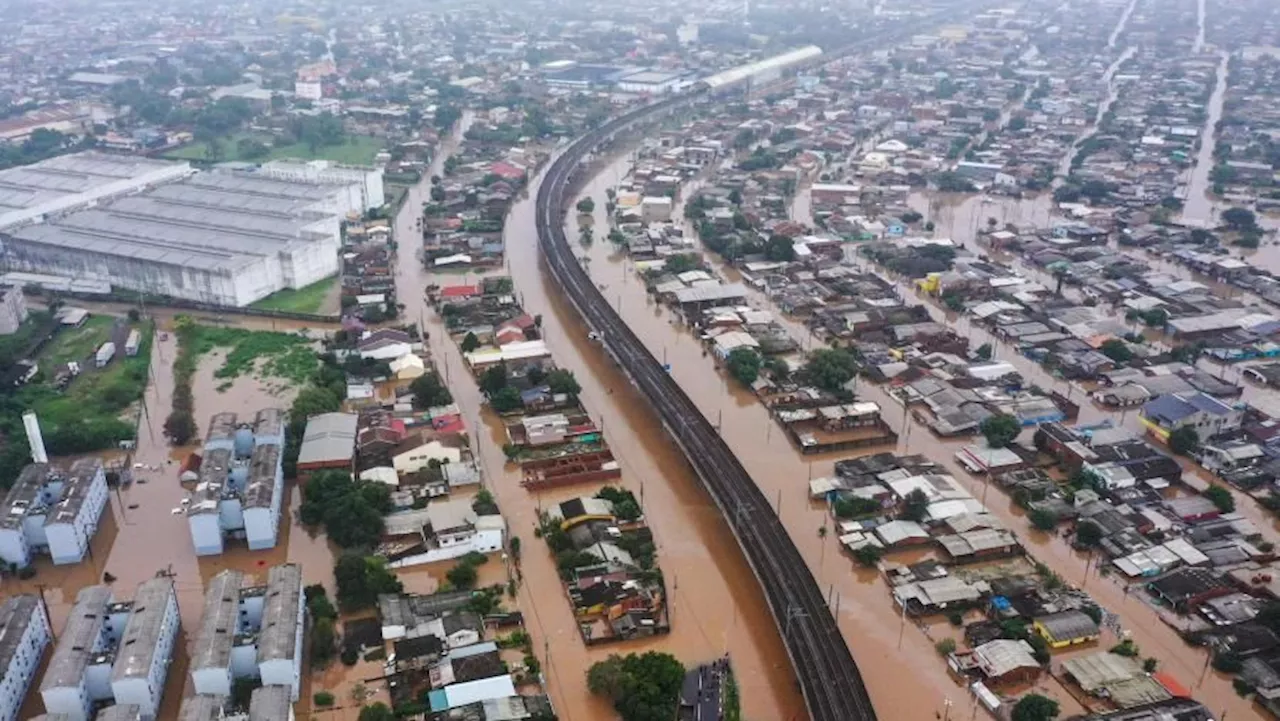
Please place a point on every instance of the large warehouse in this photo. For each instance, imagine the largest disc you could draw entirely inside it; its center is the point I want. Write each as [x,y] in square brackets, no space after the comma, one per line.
[227,237]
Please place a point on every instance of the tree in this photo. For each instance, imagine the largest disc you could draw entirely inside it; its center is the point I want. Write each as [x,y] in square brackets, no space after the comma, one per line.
[563,381]
[361,579]
[493,379]
[484,504]
[915,506]
[1034,707]
[1088,534]
[1221,498]
[462,576]
[470,342]
[180,427]
[744,364]
[780,248]
[1239,218]
[868,555]
[1117,350]
[1184,440]
[350,510]
[984,352]
[1150,664]
[437,194]
[911,216]
[1043,520]
[830,368]
[945,647]
[251,149]
[642,687]
[506,400]
[1000,430]
[586,205]
[377,712]
[429,391]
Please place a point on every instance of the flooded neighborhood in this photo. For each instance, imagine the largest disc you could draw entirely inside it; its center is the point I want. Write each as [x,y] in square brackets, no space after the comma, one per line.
[906,360]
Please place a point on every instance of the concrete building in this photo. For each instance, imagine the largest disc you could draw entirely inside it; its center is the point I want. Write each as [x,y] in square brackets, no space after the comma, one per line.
[362,185]
[113,652]
[54,511]
[226,237]
[271,703]
[13,309]
[241,483]
[201,707]
[251,632]
[24,635]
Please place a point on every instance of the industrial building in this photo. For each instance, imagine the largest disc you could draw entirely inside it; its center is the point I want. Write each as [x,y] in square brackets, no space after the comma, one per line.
[241,483]
[111,651]
[363,185]
[251,632]
[24,635]
[762,72]
[225,237]
[52,510]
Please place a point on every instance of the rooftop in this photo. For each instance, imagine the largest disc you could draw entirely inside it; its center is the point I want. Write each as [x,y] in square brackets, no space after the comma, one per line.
[79,636]
[260,490]
[329,437]
[220,622]
[270,703]
[142,632]
[278,637]
[217,221]
[202,707]
[30,191]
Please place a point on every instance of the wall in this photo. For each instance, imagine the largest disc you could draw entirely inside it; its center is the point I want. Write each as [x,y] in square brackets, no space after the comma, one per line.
[216,681]
[70,700]
[206,535]
[13,547]
[22,668]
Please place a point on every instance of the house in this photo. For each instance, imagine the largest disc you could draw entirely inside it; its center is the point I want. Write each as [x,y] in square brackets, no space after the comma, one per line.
[1066,628]
[385,344]
[407,367]
[1207,415]
[1186,588]
[456,630]
[1006,662]
[451,522]
[418,450]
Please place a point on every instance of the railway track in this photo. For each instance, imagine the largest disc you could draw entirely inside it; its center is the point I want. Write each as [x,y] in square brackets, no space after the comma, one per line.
[829,679]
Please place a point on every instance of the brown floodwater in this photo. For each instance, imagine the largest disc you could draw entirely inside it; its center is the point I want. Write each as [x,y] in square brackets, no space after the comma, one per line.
[911,681]
[715,604]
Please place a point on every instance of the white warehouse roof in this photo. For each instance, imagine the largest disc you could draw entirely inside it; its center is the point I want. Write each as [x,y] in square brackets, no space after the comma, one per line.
[743,72]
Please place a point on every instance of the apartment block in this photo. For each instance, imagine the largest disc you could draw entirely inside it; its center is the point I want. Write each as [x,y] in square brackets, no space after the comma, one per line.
[241,483]
[52,510]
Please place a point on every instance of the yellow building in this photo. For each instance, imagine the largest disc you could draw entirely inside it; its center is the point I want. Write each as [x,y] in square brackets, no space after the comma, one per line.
[1067,628]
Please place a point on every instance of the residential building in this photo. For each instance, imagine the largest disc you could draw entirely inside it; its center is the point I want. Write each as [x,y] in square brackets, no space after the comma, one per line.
[54,511]
[146,648]
[328,443]
[1207,415]
[112,651]
[13,309]
[418,451]
[24,634]
[241,483]
[1066,628]
[271,703]
[251,632]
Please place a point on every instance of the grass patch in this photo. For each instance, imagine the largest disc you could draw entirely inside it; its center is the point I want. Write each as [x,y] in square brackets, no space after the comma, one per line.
[78,344]
[90,415]
[301,300]
[357,150]
[284,355]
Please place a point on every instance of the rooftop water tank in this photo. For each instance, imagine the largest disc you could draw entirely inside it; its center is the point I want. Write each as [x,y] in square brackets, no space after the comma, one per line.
[244,442]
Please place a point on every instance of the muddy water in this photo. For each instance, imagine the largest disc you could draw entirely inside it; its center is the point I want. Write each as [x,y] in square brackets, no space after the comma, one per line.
[716,607]
[866,612]
[1199,208]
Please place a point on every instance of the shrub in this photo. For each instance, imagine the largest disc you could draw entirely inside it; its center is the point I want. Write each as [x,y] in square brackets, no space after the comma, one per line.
[322,698]
[945,647]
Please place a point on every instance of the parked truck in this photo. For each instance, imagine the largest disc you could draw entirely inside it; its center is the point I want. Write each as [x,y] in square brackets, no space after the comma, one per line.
[105,353]
[131,345]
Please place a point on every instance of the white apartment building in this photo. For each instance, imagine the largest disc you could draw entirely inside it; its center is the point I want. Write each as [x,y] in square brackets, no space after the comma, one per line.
[117,652]
[13,309]
[363,183]
[251,632]
[271,703]
[24,635]
[241,483]
[54,511]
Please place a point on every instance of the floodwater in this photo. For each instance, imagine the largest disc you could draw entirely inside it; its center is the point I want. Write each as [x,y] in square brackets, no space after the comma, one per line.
[912,681]
[140,537]
[715,605]
[1198,207]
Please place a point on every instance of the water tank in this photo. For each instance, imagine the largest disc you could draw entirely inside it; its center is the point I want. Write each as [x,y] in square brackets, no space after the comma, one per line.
[244,442]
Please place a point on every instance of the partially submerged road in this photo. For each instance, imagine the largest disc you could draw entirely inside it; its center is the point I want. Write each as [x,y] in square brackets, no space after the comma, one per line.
[829,679]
